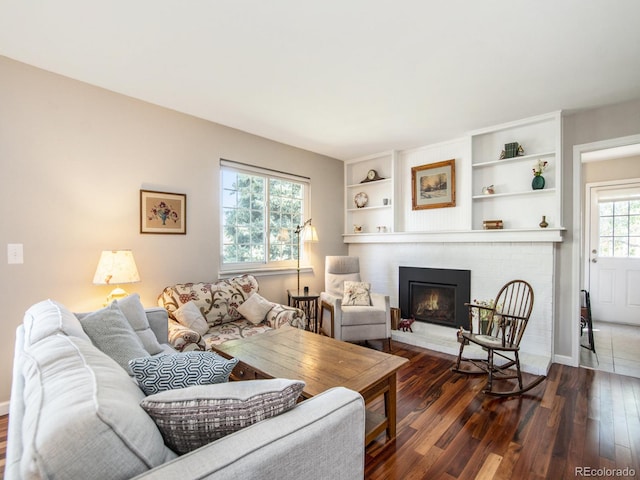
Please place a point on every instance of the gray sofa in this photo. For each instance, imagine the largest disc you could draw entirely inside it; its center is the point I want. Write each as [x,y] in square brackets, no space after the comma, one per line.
[75,413]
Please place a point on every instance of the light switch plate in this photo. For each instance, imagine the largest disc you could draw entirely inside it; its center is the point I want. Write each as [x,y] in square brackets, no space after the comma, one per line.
[15,253]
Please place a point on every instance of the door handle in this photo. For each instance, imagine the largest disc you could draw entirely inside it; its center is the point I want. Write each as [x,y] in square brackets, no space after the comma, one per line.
[594,260]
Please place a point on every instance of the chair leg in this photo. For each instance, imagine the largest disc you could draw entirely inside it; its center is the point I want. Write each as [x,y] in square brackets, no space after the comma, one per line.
[489,386]
[328,307]
[459,357]
[518,372]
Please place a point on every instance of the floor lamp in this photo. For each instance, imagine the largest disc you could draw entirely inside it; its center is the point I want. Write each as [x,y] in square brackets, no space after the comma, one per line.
[309,234]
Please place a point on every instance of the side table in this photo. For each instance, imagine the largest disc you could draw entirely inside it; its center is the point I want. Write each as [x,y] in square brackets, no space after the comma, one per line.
[308,303]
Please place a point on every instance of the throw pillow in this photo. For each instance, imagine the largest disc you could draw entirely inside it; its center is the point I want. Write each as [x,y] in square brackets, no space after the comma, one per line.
[167,372]
[191,317]
[356,294]
[110,331]
[255,308]
[133,310]
[191,417]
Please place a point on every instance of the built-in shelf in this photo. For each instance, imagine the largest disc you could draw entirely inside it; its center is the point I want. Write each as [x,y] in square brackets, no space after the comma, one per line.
[367,208]
[515,202]
[374,182]
[512,159]
[466,236]
[513,194]
[375,215]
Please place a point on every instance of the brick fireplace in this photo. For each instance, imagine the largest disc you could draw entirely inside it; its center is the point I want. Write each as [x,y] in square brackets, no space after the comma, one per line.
[491,266]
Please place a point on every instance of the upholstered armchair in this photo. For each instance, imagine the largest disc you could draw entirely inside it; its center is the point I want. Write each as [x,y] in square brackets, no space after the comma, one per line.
[353,313]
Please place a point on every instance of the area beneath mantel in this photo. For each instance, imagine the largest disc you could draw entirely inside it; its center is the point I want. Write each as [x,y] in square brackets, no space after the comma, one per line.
[444,339]
[460,236]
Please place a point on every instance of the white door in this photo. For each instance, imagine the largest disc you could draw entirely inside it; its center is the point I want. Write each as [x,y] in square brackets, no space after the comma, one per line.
[613,251]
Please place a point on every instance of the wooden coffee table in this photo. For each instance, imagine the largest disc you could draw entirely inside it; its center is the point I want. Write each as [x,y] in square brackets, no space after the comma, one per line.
[322,363]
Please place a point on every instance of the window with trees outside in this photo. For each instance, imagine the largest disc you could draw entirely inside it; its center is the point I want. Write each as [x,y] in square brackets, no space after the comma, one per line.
[260,212]
[620,228]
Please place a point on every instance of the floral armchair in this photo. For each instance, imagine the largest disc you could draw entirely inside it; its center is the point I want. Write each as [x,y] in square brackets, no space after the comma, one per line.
[219,306]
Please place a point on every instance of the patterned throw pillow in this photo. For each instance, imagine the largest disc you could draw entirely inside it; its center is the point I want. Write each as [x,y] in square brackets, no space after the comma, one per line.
[255,308]
[179,370]
[356,294]
[191,417]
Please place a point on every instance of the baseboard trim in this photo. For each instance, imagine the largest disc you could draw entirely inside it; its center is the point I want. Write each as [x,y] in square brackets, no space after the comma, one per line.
[4,408]
[564,360]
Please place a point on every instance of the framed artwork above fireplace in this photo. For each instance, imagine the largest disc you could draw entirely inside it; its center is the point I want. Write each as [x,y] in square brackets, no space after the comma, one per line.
[434,185]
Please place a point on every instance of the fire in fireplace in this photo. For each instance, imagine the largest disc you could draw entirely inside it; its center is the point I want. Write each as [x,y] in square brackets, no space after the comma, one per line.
[435,295]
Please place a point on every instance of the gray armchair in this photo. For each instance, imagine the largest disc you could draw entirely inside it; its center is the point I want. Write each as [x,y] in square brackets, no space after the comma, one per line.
[346,322]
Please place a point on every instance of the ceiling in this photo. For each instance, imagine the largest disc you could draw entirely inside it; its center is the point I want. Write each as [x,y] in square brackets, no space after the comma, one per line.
[343,78]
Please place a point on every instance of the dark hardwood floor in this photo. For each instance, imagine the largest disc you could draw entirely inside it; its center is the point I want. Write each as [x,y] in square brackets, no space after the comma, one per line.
[448,429]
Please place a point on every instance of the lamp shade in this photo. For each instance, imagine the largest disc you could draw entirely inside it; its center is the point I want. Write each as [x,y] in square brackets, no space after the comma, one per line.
[116,267]
[310,234]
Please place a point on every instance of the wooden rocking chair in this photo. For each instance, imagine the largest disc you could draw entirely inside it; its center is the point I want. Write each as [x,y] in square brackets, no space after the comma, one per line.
[500,328]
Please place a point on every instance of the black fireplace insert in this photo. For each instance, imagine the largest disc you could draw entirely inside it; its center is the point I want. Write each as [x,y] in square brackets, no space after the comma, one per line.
[435,295]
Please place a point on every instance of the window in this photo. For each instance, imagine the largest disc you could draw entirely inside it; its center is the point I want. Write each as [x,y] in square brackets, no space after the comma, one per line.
[620,228]
[260,212]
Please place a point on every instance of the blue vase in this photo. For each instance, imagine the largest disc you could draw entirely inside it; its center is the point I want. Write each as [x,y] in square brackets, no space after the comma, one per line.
[538,182]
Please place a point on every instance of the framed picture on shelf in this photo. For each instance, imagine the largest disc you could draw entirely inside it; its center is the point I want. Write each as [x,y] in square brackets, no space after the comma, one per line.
[434,185]
[163,212]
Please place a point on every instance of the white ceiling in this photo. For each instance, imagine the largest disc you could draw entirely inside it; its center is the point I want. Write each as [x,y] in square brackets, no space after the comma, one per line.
[341,77]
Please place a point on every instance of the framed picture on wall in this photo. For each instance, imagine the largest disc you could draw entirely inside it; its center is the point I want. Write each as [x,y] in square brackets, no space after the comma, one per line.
[163,212]
[434,185]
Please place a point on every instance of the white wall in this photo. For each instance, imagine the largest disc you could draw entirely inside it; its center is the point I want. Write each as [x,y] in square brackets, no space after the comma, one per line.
[451,218]
[73,159]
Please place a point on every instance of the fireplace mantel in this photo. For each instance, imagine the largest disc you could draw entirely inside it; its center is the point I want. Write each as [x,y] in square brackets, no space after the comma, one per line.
[463,236]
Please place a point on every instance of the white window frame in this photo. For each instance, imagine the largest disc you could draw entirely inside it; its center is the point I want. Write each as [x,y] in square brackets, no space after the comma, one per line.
[614,235]
[267,267]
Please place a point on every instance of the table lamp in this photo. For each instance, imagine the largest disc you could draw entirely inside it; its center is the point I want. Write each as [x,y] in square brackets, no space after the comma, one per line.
[116,267]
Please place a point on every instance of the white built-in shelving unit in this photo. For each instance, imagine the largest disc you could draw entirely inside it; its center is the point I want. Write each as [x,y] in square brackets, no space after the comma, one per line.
[514,201]
[375,216]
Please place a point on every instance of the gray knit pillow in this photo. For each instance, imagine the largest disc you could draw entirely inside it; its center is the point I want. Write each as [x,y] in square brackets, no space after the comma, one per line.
[191,417]
[134,312]
[110,331]
[180,370]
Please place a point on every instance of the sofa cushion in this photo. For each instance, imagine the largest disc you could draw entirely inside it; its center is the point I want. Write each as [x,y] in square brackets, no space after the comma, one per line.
[191,417]
[191,317]
[356,294]
[48,318]
[255,308]
[166,372]
[110,331]
[81,411]
[134,312]
[242,328]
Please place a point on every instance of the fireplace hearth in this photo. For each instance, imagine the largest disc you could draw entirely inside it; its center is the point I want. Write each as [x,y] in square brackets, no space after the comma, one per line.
[435,295]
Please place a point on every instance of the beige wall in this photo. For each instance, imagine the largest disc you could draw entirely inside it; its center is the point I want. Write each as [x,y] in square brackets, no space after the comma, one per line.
[614,169]
[73,159]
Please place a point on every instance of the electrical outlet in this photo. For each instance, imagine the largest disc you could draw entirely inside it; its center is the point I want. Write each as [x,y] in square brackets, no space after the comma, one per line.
[15,253]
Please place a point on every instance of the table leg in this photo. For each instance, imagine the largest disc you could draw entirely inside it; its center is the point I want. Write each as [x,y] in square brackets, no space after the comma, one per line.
[390,404]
